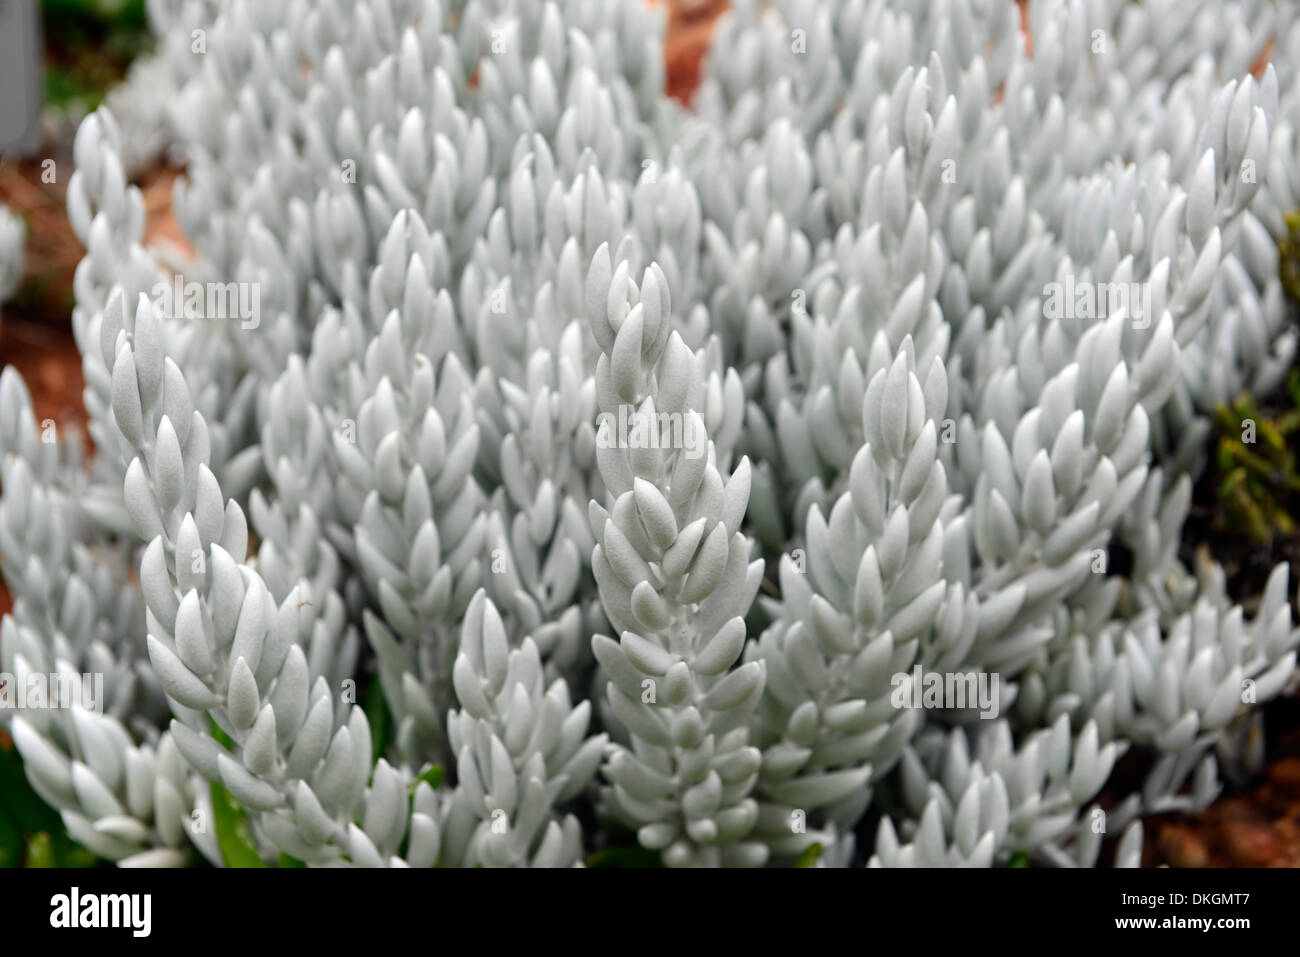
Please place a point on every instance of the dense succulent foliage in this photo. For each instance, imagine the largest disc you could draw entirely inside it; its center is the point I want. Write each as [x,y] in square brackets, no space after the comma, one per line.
[594,471]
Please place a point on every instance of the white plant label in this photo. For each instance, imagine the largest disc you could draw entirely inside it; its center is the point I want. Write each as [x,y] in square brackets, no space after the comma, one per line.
[20,76]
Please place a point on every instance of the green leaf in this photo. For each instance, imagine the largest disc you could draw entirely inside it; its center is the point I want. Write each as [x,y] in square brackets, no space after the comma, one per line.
[233,839]
[629,856]
[433,776]
[11,840]
[232,830]
[1019,859]
[40,851]
[287,861]
[811,855]
[221,737]
[67,853]
[381,720]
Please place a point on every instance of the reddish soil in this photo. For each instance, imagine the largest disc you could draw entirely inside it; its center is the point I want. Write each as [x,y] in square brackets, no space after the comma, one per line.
[690,24]
[1258,827]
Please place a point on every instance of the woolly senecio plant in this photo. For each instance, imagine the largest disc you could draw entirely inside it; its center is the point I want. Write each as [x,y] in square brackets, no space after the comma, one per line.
[590,472]
[857,616]
[522,748]
[676,579]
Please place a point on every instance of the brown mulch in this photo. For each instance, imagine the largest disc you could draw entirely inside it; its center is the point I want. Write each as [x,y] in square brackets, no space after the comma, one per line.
[1257,827]
[690,25]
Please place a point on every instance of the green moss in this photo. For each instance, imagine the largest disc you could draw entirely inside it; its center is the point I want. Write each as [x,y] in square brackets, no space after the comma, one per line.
[1257,476]
[1288,260]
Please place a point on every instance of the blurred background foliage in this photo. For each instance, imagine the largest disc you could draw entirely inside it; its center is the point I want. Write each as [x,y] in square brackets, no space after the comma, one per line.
[88,46]
[31,832]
